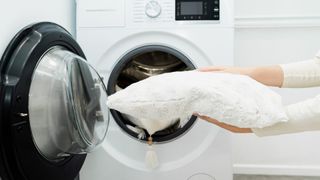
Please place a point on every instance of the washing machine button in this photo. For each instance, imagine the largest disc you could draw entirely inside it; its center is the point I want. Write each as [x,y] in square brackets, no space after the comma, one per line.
[153,9]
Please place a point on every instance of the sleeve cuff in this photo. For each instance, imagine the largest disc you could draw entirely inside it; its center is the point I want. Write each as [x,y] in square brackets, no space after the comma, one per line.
[301,74]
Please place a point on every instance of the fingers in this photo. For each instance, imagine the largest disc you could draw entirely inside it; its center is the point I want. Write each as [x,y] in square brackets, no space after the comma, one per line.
[228,127]
[211,68]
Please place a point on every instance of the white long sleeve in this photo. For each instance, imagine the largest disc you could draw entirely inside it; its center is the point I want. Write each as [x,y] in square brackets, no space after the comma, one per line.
[302,74]
[305,115]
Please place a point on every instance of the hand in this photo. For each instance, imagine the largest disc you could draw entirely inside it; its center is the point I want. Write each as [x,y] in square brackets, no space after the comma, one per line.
[227,69]
[267,75]
[225,126]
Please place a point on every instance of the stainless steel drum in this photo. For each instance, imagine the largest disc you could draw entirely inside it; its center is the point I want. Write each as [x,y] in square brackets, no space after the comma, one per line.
[149,64]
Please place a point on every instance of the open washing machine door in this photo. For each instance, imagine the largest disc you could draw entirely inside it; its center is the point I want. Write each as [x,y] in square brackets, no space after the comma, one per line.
[52,106]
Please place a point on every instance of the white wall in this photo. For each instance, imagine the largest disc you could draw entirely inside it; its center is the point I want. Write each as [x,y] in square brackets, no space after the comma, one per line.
[16,14]
[273,32]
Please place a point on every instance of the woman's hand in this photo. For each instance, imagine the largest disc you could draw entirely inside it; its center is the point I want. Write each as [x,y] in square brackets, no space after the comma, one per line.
[228,69]
[228,127]
[267,75]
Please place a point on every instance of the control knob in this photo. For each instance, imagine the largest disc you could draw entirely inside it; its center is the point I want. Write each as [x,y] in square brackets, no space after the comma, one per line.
[153,9]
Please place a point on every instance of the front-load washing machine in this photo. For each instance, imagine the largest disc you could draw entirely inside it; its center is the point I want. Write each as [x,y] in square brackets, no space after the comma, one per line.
[52,103]
[130,40]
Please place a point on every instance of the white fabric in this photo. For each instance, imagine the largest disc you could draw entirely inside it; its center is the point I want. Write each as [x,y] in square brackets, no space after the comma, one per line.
[151,158]
[302,74]
[159,101]
[305,115]
[318,54]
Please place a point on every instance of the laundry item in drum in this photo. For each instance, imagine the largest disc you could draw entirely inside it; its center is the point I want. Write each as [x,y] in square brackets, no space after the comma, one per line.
[162,100]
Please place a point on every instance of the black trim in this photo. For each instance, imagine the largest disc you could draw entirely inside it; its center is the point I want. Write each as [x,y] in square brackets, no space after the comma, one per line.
[20,159]
[120,120]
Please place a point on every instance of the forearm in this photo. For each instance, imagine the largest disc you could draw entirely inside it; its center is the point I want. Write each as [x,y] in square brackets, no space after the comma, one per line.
[268,75]
[293,75]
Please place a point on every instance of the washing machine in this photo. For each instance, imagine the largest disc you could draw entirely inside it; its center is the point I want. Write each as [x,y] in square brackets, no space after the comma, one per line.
[52,102]
[130,40]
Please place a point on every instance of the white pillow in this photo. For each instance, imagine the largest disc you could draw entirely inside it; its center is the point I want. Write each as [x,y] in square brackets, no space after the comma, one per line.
[159,101]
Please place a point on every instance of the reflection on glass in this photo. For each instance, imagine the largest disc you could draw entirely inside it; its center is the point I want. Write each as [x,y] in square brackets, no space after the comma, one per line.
[67,105]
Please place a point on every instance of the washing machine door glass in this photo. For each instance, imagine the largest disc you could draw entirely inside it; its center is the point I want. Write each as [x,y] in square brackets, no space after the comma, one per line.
[67,105]
[52,105]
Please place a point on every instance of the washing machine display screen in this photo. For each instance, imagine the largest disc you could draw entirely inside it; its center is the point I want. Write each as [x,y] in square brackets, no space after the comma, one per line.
[191,8]
[196,10]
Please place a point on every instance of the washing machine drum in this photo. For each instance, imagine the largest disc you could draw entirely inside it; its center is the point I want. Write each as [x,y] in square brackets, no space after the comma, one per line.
[52,106]
[139,64]
[147,65]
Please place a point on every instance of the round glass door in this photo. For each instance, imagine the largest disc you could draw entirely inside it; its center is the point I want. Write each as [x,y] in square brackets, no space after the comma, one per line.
[67,105]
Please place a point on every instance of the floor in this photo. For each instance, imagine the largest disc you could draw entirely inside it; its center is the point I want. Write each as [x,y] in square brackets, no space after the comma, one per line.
[264,177]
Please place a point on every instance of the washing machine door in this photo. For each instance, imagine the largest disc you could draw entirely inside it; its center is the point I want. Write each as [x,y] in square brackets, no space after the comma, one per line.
[52,106]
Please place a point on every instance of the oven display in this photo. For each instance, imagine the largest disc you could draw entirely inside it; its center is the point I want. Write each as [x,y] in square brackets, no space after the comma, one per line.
[197,10]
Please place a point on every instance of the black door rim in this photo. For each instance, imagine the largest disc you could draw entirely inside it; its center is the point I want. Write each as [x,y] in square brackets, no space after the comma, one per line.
[19,157]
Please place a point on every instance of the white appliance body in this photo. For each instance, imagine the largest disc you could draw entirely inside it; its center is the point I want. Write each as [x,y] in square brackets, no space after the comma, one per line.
[107,30]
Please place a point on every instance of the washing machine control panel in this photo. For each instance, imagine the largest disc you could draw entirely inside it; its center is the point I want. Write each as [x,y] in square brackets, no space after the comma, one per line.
[173,11]
[154,13]
[197,10]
